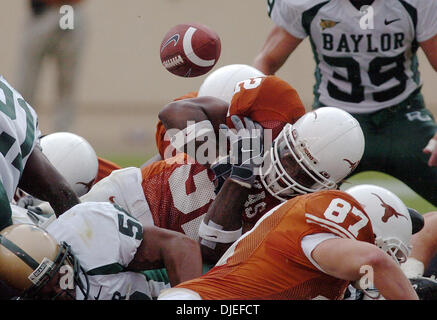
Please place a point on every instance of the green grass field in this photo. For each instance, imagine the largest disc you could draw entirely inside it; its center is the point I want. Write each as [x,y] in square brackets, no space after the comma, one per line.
[410,198]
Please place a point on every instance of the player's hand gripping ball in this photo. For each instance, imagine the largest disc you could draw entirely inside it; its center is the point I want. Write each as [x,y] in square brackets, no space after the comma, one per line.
[190,50]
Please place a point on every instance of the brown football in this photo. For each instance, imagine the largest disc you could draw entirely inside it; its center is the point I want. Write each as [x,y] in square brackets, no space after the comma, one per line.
[190,50]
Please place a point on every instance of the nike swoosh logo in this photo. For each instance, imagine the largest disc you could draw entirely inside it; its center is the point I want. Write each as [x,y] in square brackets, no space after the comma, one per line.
[387,22]
[174,39]
[98,295]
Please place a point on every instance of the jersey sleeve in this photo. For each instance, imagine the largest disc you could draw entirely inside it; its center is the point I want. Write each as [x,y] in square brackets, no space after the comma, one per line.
[87,226]
[287,14]
[426,20]
[310,242]
[189,95]
[161,142]
[105,168]
[266,99]
[337,213]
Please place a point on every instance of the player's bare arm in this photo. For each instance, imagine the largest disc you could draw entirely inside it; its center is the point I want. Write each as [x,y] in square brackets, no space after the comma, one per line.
[424,243]
[201,117]
[41,179]
[222,225]
[430,49]
[276,50]
[343,259]
[176,252]
[176,114]
[224,213]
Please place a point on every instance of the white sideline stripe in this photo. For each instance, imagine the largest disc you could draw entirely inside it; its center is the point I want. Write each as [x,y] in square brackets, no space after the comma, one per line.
[327,224]
[329,228]
[191,55]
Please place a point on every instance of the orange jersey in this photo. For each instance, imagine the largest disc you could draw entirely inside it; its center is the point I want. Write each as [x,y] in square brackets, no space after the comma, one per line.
[105,168]
[259,201]
[162,142]
[179,194]
[270,101]
[269,263]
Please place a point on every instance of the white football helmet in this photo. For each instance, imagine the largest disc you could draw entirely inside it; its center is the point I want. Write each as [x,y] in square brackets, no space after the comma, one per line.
[390,219]
[317,152]
[221,83]
[73,157]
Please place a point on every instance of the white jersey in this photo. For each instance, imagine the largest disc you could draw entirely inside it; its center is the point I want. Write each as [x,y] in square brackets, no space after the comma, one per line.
[18,135]
[365,60]
[105,239]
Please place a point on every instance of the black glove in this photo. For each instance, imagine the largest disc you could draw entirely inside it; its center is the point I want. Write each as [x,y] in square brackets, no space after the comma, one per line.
[222,170]
[426,288]
[246,149]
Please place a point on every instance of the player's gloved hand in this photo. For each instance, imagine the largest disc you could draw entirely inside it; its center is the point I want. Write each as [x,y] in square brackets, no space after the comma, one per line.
[426,288]
[25,201]
[246,149]
[222,170]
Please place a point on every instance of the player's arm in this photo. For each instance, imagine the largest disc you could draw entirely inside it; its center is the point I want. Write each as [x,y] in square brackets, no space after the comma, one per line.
[195,120]
[430,48]
[345,259]
[177,114]
[222,224]
[176,252]
[276,50]
[41,179]
[424,247]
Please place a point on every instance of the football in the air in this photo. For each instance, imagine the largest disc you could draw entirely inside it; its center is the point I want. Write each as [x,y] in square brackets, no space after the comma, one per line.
[190,50]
